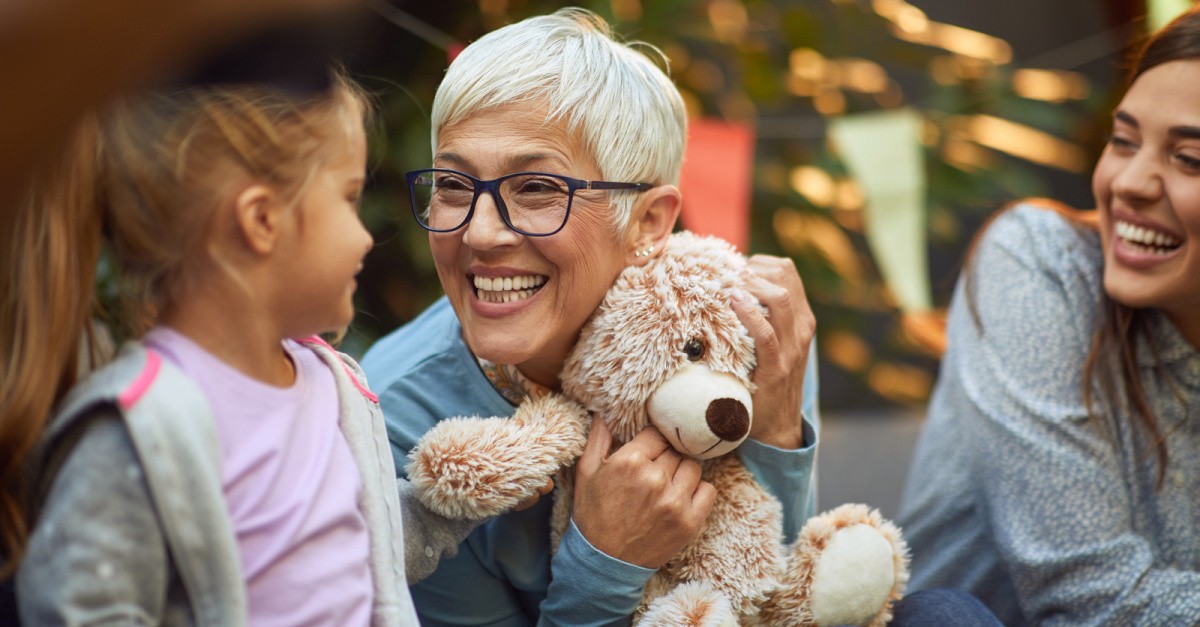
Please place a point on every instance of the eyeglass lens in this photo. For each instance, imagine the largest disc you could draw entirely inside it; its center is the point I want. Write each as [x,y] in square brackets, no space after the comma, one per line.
[536,203]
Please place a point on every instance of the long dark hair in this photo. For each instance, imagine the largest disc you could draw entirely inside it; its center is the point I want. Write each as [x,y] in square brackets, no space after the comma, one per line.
[1122,327]
[1111,363]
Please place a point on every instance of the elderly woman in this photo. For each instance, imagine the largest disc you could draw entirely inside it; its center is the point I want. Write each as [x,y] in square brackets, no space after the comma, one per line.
[554,105]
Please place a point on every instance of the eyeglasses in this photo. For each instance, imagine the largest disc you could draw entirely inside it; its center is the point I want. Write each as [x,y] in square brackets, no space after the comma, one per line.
[531,203]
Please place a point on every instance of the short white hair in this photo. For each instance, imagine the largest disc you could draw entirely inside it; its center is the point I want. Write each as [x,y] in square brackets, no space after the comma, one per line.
[627,111]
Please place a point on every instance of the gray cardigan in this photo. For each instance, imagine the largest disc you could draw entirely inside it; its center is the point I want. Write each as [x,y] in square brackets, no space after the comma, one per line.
[1015,494]
[133,526]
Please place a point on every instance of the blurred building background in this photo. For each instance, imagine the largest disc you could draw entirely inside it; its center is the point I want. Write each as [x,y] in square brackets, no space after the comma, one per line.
[882,133]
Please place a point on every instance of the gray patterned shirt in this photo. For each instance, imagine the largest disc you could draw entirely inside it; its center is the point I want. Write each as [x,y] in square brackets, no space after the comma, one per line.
[1014,495]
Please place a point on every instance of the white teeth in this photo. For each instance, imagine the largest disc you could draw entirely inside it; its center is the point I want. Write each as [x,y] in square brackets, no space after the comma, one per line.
[504,297]
[1146,239]
[507,289]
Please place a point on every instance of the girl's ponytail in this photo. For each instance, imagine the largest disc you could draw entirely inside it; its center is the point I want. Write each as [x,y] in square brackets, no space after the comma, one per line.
[49,248]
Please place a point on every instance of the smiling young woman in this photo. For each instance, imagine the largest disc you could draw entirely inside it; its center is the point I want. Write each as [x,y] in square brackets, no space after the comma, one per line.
[1057,474]
[1147,189]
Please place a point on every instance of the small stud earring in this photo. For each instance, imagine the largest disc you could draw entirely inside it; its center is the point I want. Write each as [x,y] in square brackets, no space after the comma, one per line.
[644,253]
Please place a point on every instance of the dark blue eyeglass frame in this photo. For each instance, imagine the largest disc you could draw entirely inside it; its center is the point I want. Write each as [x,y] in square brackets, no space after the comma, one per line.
[493,187]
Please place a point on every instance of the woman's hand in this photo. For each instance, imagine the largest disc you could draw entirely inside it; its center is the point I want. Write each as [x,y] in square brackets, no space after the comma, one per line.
[782,340]
[643,503]
[535,497]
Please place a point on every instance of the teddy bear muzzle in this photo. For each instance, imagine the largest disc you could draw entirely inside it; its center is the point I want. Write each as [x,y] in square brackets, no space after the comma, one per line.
[702,413]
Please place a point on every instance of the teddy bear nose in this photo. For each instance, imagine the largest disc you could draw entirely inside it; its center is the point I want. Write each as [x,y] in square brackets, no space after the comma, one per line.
[728,419]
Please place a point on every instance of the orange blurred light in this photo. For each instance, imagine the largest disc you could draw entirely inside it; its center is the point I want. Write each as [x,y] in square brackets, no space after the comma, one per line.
[1050,85]
[807,63]
[814,184]
[846,350]
[627,10]
[900,383]
[1025,142]
[804,232]
[829,101]
[729,20]
[863,76]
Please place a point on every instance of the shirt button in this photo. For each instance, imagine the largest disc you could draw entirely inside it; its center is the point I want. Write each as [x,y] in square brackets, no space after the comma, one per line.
[1178,478]
[428,551]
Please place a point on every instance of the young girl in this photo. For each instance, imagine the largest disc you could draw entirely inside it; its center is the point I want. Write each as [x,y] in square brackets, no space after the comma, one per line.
[218,472]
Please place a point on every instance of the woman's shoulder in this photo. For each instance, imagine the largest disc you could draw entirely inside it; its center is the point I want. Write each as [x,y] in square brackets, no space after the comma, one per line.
[1049,240]
[1044,228]
[431,337]
[118,384]
[425,366]
[1019,331]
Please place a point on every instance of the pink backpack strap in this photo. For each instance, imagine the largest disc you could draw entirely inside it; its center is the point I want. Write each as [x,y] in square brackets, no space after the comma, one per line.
[354,378]
[129,397]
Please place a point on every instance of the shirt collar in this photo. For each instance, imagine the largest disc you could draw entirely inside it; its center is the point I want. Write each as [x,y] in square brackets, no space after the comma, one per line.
[510,383]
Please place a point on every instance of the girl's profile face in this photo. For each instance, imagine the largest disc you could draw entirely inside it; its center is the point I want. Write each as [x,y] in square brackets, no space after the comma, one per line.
[330,243]
[1147,190]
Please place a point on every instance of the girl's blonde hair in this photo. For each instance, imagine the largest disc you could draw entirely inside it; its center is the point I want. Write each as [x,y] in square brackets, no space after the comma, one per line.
[143,179]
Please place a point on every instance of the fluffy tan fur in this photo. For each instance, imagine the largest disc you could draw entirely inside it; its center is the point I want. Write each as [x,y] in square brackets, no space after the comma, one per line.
[696,604]
[636,338]
[475,468]
[795,610]
[736,571]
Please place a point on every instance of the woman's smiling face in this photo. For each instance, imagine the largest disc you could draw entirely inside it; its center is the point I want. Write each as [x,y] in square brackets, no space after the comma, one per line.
[1147,188]
[522,300]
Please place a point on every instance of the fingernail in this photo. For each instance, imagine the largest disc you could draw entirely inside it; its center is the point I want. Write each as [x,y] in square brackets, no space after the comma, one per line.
[742,297]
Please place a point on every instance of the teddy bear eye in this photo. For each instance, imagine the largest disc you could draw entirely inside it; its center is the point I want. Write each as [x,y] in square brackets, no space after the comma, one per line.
[694,349]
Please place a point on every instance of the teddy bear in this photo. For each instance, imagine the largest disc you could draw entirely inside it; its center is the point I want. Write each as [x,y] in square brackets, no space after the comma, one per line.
[665,349]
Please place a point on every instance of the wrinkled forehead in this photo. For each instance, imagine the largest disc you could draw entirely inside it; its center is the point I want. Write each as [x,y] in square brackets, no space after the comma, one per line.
[517,135]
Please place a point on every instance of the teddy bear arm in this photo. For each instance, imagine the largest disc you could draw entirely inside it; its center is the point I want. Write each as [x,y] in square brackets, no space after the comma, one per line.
[475,468]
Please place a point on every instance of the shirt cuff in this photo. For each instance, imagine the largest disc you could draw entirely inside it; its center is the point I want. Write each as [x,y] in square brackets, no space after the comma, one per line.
[589,587]
[766,451]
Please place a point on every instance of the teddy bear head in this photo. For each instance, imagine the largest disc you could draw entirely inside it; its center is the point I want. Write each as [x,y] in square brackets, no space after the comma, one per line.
[665,348]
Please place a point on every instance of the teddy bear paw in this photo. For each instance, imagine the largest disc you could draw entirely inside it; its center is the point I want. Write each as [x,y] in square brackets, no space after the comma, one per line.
[691,604]
[847,568]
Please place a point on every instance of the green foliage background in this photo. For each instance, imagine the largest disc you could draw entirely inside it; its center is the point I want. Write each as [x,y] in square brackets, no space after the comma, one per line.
[868,358]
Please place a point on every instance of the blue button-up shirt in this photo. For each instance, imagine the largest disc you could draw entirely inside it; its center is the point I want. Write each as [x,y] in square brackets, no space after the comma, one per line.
[504,574]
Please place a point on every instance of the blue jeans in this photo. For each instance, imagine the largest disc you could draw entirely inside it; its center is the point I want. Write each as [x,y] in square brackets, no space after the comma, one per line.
[8,603]
[942,606]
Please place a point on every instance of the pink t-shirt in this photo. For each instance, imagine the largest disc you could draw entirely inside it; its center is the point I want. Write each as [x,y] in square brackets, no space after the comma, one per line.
[291,486]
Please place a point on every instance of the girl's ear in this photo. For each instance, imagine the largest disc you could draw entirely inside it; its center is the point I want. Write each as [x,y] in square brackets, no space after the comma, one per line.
[259,218]
[652,220]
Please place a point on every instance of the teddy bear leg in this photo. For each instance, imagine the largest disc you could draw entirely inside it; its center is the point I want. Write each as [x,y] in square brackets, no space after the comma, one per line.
[847,568]
[691,604]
